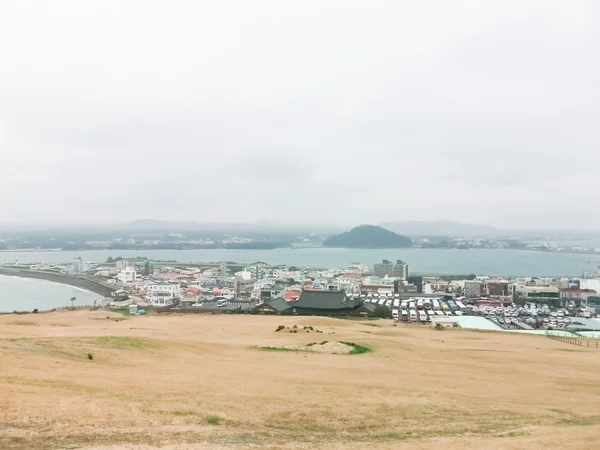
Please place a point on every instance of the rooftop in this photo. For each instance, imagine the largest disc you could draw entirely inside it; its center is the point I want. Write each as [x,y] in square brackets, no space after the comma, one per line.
[331,300]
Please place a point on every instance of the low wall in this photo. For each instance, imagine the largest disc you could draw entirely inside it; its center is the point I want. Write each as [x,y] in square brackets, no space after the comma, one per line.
[80,281]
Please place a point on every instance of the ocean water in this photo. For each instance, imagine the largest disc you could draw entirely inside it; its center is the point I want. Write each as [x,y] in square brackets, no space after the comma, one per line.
[23,294]
[420,261]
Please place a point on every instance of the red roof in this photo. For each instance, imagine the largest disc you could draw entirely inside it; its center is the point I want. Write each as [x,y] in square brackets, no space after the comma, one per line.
[291,295]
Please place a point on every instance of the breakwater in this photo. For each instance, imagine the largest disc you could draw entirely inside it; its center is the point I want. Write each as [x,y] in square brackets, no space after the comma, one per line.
[79,281]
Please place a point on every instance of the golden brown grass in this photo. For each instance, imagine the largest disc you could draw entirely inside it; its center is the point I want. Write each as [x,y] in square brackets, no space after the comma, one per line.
[199,382]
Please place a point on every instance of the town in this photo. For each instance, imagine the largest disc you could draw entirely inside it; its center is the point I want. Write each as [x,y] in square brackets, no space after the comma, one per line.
[386,290]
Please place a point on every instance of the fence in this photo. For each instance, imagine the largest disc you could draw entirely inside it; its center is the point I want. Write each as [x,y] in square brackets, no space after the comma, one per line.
[575,341]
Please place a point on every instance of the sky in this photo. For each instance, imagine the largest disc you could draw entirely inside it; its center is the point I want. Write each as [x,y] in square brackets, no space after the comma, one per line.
[300,111]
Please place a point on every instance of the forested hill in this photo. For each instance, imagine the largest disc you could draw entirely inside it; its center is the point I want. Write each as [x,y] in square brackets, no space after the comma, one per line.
[368,236]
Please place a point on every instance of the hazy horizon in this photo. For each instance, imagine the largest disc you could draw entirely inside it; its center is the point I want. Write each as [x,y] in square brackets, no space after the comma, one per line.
[335,113]
[278,225]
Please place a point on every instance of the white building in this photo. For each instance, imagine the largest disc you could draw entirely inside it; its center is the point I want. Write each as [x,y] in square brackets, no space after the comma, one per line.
[81,266]
[590,284]
[122,264]
[245,275]
[163,294]
[77,266]
[127,275]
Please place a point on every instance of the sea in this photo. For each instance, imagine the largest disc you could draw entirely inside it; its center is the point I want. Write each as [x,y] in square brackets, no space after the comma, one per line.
[24,294]
[420,261]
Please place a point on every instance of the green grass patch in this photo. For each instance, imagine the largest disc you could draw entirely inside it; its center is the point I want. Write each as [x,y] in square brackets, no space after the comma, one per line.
[356,349]
[119,342]
[183,412]
[90,356]
[213,420]
[277,349]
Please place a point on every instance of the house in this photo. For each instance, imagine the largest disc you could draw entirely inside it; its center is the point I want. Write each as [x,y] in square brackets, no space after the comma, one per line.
[365,310]
[127,275]
[275,305]
[163,294]
[190,296]
[324,303]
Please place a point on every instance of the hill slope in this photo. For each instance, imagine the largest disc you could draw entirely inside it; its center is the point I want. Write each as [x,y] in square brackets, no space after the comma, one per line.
[55,407]
[368,236]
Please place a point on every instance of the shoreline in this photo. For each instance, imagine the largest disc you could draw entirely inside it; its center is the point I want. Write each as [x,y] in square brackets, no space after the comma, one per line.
[80,282]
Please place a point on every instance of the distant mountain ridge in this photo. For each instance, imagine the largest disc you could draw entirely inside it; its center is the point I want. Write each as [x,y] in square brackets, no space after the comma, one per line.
[368,236]
[441,228]
[166,225]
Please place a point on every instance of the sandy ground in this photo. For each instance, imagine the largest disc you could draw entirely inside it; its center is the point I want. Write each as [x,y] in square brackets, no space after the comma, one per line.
[184,382]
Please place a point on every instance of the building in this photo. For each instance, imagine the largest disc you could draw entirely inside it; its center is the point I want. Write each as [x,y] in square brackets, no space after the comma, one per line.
[417,282]
[324,303]
[78,266]
[365,310]
[275,305]
[400,270]
[163,294]
[223,272]
[122,264]
[442,321]
[144,267]
[497,288]
[590,284]
[549,295]
[473,289]
[577,296]
[388,269]
[127,275]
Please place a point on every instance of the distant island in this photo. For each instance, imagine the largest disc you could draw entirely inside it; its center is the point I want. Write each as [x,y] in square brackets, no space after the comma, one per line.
[368,236]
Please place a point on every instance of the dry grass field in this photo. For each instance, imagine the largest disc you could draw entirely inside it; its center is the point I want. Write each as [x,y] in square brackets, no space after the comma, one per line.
[179,382]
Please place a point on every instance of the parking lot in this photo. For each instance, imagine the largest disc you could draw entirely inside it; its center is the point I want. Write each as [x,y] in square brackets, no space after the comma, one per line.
[528,316]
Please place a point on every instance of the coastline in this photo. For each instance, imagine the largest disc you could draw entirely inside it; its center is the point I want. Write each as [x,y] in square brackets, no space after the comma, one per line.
[80,282]
[421,261]
[89,250]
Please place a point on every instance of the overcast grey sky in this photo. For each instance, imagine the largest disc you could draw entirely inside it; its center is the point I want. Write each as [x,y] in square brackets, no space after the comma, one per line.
[310,111]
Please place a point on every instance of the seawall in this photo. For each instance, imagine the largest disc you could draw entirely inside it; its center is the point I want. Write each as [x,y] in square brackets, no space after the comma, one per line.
[79,281]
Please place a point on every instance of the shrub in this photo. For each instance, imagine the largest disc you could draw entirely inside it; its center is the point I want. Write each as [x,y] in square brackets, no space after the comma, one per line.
[295,326]
[90,356]
[280,327]
[35,311]
[356,349]
[213,420]
[439,327]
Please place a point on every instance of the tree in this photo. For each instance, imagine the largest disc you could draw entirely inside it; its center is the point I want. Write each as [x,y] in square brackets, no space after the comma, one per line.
[109,260]
[73,301]
[383,313]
